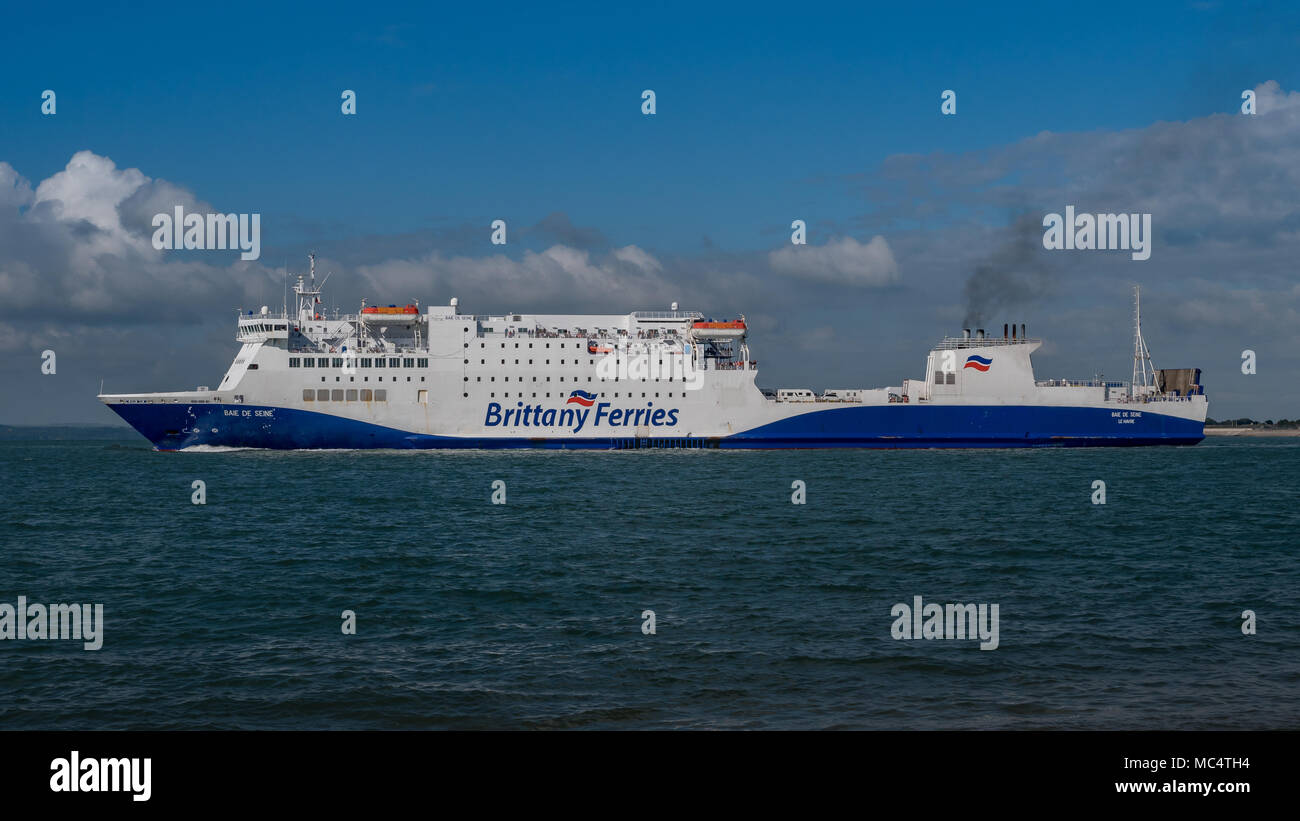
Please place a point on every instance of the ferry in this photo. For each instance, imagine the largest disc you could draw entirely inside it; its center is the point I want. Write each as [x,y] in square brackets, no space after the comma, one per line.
[399,377]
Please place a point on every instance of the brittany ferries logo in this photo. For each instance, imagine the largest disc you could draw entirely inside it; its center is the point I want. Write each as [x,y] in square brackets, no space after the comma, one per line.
[977,362]
[536,416]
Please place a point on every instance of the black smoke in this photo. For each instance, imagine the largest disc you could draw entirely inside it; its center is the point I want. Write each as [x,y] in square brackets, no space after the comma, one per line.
[1014,275]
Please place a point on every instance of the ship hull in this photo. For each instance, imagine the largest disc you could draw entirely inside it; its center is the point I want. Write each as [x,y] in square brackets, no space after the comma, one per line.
[176,426]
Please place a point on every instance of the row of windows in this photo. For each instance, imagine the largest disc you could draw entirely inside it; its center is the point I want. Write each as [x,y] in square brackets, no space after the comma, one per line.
[363,362]
[575,362]
[573,379]
[261,328]
[348,395]
[367,379]
[560,344]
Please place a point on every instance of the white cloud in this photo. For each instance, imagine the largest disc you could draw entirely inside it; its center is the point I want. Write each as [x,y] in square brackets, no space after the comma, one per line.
[844,261]
[1270,98]
[15,192]
[80,245]
[635,256]
[627,277]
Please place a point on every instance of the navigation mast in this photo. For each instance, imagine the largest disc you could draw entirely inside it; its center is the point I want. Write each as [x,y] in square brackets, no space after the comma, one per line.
[1144,373]
[308,295]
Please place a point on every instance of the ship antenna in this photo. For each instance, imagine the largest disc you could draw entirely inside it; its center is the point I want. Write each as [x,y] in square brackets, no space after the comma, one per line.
[1143,372]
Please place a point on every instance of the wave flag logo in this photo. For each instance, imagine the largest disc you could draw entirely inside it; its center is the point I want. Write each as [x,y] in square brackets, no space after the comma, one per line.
[581,398]
[977,362]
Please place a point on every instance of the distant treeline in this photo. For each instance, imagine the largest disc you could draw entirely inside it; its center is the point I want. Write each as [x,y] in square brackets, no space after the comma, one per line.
[1281,423]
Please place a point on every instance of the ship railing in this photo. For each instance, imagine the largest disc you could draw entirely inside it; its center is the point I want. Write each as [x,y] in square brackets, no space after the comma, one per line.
[398,351]
[691,315]
[1155,397]
[1079,383]
[956,342]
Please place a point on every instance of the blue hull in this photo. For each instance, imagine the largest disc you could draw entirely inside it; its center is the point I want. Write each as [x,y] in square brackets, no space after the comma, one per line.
[177,426]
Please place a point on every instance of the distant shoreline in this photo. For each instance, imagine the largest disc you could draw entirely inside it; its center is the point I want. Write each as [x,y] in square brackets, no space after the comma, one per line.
[1247,430]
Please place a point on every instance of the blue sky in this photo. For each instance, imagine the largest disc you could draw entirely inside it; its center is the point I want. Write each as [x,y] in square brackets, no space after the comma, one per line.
[827,113]
[521,110]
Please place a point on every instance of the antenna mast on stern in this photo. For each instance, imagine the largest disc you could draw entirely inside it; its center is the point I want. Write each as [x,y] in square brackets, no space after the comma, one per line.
[1144,373]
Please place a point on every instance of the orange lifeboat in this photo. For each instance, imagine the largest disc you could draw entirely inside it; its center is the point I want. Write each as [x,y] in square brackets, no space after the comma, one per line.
[391,309]
[733,329]
[733,325]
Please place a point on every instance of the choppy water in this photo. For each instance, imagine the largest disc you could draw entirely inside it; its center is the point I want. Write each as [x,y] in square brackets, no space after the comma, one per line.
[769,614]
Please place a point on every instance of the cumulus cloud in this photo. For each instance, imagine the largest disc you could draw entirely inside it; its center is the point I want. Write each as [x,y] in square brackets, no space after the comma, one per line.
[843,261]
[15,192]
[1270,98]
[79,246]
[627,276]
